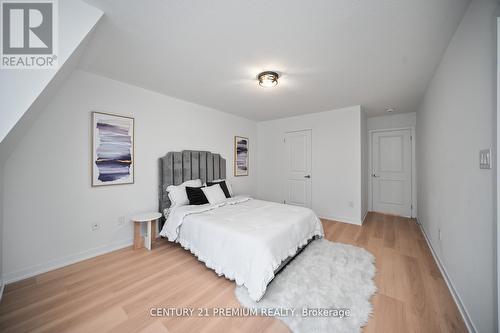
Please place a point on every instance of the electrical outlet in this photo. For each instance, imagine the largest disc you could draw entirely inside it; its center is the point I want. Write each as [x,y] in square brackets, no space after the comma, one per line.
[95,226]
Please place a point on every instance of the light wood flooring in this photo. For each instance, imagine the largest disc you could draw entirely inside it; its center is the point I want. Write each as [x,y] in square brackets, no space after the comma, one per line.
[114,292]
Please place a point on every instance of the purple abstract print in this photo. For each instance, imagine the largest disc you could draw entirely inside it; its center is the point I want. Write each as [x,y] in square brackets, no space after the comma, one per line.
[113,149]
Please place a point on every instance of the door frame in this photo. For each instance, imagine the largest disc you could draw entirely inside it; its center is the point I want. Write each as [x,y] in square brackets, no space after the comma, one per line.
[285,166]
[412,171]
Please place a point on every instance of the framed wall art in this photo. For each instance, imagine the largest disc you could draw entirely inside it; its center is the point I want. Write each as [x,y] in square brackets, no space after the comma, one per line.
[240,156]
[112,149]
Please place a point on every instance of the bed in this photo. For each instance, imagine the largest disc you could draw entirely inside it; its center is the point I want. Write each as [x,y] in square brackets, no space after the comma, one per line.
[244,239]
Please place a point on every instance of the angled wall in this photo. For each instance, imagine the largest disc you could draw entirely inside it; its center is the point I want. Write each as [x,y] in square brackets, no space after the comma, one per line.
[456,197]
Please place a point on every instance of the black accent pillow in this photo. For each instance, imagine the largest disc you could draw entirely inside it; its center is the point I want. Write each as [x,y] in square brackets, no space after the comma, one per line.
[223,186]
[196,196]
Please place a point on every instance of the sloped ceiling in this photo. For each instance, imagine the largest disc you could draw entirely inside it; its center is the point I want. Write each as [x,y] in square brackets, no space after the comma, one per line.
[24,123]
[332,53]
[20,89]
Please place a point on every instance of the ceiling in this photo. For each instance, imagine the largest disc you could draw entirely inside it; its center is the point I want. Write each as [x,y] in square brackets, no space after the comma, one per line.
[330,53]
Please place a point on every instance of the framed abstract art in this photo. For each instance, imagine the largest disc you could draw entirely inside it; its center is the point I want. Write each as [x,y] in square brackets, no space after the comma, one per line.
[240,156]
[112,149]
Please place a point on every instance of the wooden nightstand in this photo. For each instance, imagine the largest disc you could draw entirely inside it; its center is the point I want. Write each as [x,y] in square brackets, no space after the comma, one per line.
[150,219]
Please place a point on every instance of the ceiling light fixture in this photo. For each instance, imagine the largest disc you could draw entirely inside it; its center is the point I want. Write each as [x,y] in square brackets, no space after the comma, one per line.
[268,79]
[390,110]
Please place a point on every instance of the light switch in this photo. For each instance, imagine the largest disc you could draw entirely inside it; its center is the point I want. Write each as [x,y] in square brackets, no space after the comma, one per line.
[485,159]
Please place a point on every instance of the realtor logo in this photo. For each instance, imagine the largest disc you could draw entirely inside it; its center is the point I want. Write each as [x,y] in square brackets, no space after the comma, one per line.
[29,34]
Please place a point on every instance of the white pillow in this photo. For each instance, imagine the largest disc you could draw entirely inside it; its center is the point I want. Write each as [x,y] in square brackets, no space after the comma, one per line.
[178,196]
[228,185]
[177,193]
[192,183]
[214,194]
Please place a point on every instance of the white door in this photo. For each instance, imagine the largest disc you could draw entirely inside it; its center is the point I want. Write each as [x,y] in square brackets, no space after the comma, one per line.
[298,168]
[391,172]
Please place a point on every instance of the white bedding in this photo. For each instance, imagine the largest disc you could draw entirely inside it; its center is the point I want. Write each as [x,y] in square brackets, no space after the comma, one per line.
[242,238]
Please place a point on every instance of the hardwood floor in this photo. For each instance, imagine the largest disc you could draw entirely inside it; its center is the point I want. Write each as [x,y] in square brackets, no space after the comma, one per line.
[114,292]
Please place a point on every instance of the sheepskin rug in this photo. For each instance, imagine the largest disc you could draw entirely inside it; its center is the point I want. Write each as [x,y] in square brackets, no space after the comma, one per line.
[325,276]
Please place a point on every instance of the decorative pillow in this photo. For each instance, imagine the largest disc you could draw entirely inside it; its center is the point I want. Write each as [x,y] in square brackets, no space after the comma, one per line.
[177,193]
[228,184]
[196,195]
[214,194]
[222,185]
[178,196]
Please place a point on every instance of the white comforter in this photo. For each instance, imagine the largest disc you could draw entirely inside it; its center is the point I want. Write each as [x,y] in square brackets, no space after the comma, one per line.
[241,238]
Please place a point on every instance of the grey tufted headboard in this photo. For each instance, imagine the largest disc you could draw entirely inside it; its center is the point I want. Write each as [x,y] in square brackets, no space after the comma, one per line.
[177,167]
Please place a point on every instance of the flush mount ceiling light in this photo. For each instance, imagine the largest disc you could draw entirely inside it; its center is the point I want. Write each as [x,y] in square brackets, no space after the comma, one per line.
[390,110]
[268,79]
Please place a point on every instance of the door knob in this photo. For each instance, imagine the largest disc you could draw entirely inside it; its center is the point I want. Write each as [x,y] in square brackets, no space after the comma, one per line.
[308,176]
[375,175]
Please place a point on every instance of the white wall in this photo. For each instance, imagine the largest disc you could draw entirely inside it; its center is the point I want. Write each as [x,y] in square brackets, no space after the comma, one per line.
[49,203]
[1,229]
[390,121]
[20,88]
[456,120]
[336,161]
[24,93]
[387,122]
[364,165]
[497,171]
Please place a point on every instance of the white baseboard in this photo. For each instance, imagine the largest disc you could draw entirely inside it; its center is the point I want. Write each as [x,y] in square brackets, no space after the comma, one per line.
[2,286]
[340,219]
[68,260]
[451,287]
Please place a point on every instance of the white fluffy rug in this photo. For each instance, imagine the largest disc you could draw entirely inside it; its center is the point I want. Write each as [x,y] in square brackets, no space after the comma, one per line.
[326,275]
